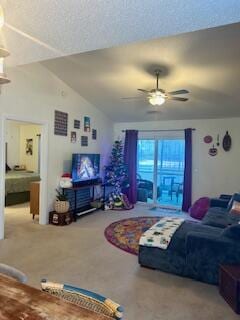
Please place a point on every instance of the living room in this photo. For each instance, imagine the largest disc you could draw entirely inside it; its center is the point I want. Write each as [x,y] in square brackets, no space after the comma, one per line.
[187,70]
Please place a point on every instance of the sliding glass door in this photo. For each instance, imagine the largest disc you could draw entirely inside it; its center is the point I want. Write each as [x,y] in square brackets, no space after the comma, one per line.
[161,170]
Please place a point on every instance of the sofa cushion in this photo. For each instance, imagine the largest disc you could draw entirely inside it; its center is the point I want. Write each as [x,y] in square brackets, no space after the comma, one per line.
[178,242]
[232,232]
[220,217]
[217,219]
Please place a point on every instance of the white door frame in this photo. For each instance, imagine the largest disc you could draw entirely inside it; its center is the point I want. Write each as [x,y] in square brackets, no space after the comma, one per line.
[43,198]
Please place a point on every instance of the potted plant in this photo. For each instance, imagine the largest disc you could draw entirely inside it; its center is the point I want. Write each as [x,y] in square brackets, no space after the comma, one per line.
[61,204]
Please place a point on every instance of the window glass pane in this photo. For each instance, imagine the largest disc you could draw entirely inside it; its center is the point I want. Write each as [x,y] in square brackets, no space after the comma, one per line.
[170,172]
[145,170]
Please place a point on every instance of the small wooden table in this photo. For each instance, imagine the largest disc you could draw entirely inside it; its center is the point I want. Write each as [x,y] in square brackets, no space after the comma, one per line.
[229,285]
[22,302]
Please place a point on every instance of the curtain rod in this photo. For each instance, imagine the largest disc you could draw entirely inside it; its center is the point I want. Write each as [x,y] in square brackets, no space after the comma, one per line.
[161,130]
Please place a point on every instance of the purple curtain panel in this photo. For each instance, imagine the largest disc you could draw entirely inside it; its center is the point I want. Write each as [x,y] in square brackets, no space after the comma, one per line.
[187,184]
[130,158]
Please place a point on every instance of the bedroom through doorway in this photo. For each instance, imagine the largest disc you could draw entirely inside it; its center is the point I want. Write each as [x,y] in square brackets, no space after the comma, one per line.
[22,171]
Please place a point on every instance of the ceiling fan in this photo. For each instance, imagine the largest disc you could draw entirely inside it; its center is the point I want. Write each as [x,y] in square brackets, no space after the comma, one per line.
[158,96]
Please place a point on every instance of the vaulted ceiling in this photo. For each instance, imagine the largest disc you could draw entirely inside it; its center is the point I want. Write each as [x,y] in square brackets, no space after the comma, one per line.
[204,62]
[38,30]
[107,49]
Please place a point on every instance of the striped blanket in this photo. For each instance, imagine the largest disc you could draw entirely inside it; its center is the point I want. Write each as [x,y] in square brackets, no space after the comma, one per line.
[161,233]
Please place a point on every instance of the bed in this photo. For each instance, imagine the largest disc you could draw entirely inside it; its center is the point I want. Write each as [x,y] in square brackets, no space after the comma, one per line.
[17,186]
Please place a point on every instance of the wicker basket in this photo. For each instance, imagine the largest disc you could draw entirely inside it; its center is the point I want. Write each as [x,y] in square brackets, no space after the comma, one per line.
[61,206]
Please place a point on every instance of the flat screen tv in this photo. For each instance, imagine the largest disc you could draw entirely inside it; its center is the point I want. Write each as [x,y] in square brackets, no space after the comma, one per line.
[85,167]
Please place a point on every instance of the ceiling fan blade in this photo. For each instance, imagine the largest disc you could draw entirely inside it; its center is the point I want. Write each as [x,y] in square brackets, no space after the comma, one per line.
[153,111]
[178,98]
[183,91]
[133,98]
[143,90]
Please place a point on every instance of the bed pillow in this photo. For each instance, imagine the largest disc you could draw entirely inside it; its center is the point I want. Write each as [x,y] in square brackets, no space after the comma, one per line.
[7,168]
[232,232]
[235,207]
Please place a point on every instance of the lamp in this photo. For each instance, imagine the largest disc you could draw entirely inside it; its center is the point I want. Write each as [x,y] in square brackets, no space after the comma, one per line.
[3,54]
[157,99]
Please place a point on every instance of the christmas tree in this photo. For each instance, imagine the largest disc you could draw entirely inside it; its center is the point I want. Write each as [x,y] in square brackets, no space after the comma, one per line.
[116,174]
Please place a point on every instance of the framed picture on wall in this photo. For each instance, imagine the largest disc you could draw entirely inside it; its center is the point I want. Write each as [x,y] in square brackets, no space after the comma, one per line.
[29,147]
[73,137]
[94,134]
[60,123]
[84,141]
[76,124]
[87,126]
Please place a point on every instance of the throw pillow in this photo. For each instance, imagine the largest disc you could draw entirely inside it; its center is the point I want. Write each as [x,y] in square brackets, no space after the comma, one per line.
[235,197]
[199,208]
[235,207]
[232,232]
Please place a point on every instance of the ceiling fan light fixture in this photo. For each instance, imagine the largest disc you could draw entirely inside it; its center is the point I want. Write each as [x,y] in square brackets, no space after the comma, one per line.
[157,100]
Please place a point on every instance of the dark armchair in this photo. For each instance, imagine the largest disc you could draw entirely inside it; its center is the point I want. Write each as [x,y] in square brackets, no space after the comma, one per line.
[144,190]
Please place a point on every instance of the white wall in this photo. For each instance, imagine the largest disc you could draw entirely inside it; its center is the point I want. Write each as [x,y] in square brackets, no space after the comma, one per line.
[29,132]
[211,175]
[35,92]
[13,143]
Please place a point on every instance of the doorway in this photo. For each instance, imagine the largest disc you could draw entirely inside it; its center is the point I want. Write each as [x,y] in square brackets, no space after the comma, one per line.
[27,161]
[160,170]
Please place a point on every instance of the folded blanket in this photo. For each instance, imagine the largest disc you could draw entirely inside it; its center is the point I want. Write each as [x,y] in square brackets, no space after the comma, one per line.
[161,233]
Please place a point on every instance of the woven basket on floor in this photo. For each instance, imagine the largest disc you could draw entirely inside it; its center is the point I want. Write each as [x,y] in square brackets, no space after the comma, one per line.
[61,206]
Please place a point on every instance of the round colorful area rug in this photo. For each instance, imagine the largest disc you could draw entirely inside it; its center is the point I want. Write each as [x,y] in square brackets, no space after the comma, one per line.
[125,234]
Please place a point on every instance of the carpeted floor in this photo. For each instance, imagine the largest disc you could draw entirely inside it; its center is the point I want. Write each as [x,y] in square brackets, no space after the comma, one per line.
[79,254]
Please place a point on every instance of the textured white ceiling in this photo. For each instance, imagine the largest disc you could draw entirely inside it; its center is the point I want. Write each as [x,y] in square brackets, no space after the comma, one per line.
[37,30]
[205,62]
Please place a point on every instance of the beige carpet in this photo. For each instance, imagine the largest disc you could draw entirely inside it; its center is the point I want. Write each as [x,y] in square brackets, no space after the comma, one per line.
[79,254]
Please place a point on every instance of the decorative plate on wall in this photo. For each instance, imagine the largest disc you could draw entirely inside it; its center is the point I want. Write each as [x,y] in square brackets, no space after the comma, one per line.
[208,139]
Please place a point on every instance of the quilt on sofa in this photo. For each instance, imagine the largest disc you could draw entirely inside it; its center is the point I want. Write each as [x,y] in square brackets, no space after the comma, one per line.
[161,233]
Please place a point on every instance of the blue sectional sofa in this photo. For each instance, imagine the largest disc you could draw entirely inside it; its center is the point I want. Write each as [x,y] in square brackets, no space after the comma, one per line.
[198,248]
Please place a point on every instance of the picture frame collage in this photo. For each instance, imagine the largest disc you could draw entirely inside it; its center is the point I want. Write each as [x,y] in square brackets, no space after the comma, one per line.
[61,128]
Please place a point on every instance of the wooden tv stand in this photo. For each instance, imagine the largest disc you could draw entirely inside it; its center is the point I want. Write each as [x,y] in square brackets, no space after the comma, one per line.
[77,212]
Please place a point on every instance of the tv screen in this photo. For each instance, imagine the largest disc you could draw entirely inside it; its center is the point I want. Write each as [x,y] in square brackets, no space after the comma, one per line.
[85,166]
